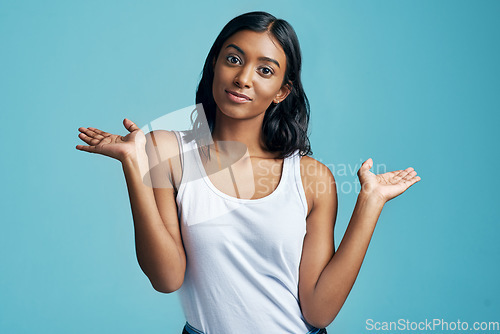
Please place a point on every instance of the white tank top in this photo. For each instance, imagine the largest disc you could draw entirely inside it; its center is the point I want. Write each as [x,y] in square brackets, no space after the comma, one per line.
[243,255]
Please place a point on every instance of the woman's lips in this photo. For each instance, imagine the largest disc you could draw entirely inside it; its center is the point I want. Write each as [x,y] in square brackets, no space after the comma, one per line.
[237,97]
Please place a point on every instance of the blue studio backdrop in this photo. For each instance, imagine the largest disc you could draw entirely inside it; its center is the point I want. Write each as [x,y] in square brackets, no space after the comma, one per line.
[407,83]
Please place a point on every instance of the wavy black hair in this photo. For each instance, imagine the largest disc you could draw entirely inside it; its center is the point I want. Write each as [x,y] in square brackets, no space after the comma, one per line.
[285,124]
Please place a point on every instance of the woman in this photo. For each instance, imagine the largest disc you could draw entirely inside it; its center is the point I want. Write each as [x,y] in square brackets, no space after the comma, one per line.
[246,237]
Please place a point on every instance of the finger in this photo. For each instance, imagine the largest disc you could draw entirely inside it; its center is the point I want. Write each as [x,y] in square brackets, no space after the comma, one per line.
[412,181]
[412,178]
[410,175]
[88,140]
[91,133]
[102,133]
[402,174]
[399,175]
[367,164]
[129,125]
[392,174]
[90,149]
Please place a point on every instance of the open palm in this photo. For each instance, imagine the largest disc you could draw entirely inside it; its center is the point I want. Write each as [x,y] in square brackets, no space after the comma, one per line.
[387,185]
[114,146]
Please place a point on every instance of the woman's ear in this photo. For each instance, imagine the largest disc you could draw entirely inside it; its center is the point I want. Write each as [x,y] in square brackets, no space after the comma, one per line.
[283,93]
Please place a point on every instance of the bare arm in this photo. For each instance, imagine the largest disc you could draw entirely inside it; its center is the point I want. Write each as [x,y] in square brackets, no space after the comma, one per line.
[326,276]
[327,296]
[159,247]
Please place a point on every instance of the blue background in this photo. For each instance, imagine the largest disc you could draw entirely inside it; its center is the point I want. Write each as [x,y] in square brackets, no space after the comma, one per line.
[408,83]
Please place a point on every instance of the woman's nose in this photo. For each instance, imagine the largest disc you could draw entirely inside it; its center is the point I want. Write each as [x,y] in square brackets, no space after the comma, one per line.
[243,78]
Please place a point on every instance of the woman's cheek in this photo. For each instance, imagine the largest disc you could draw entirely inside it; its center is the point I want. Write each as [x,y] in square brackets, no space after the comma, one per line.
[266,93]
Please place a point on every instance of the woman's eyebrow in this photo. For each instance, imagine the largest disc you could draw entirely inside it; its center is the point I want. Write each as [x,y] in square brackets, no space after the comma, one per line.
[270,59]
[260,58]
[237,48]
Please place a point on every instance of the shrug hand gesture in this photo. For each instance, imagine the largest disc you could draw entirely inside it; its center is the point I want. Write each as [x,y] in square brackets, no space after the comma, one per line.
[388,185]
[114,146]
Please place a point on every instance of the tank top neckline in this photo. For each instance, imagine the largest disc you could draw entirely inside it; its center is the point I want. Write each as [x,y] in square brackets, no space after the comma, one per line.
[284,175]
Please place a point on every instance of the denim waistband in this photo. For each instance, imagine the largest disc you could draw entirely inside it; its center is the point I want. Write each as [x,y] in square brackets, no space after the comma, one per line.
[317,331]
[191,330]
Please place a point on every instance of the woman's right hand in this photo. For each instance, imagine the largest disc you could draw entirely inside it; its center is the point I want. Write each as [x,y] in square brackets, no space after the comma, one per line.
[114,146]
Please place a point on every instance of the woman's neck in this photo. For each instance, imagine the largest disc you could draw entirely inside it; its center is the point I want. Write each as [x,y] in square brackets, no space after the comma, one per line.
[244,131]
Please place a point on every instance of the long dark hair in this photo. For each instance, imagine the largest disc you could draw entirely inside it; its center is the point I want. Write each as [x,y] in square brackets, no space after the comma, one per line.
[285,124]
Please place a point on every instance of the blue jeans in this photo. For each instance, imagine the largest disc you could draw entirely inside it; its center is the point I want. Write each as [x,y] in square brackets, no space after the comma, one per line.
[188,329]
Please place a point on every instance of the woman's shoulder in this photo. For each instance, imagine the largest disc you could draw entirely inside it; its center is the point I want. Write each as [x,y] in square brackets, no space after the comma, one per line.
[156,137]
[163,142]
[317,179]
[164,155]
[314,169]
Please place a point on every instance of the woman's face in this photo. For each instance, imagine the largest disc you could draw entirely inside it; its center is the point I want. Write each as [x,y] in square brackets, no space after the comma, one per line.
[248,74]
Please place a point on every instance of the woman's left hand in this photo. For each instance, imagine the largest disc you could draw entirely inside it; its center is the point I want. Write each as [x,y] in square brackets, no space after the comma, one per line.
[388,185]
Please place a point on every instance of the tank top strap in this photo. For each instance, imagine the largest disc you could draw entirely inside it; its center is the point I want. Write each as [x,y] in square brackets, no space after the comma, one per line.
[296,178]
[187,151]
[178,135]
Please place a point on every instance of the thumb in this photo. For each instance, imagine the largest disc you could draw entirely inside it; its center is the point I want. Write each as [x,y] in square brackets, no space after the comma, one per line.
[129,125]
[367,164]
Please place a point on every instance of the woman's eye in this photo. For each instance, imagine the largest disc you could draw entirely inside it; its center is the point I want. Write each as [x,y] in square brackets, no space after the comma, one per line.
[233,59]
[266,71]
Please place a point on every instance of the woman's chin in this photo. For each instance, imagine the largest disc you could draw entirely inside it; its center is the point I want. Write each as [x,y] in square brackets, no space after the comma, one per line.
[237,112]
